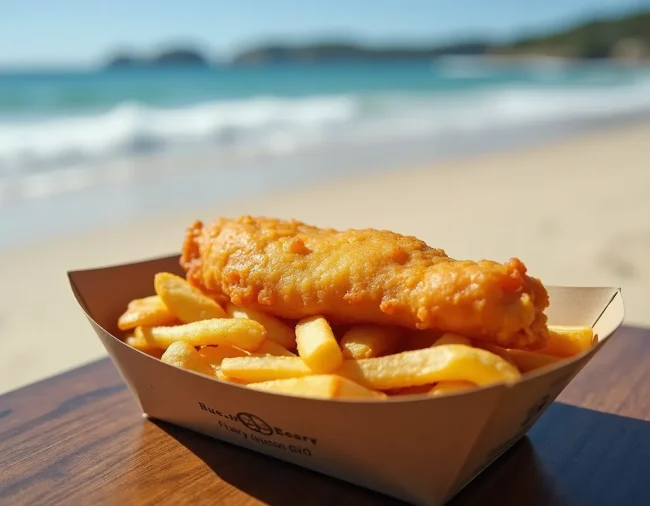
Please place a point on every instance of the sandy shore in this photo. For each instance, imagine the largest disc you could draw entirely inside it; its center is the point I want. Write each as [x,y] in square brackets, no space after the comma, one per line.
[577,213]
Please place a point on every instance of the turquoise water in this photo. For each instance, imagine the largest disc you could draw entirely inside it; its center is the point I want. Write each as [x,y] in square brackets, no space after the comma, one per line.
[131,144]
[55,93]
[52,120]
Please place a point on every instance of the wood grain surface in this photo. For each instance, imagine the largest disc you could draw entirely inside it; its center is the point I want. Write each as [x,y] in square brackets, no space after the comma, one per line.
[79,438]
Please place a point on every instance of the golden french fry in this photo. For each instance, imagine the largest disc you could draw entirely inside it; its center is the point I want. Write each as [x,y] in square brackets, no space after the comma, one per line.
[256,369]
[565,341]
[147,311]
[529,360]
[149,300]
[452,339]
[276,329]
[447,387]
[214,355]
[317,345]
[137,341]
[185,301]
[450,362]
[367,341]
[153,300]
[274,349]
[497,350]
[220,375]
[245,334]
[138,336]
[524,360]
[140,344]
[183,354]
[350,390]
[325,386]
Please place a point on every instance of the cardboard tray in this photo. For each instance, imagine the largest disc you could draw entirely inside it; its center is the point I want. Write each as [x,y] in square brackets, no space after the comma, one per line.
[419,449]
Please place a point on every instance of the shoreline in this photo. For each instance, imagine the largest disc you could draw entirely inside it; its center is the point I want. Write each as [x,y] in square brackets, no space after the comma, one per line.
[143,187]
[575,211]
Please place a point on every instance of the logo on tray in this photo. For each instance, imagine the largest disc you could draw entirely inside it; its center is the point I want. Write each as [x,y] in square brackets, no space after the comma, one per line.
[254,423]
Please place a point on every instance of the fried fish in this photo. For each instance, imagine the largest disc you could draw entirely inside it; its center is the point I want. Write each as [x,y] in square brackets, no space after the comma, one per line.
[293,270]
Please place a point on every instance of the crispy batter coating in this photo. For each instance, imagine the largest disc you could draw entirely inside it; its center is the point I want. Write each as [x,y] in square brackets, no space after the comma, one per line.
[292,270]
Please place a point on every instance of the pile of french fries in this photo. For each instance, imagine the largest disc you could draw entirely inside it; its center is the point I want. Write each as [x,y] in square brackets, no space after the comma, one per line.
[186,328]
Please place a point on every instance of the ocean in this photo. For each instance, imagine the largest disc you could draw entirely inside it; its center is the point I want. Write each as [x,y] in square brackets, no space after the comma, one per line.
[64,132]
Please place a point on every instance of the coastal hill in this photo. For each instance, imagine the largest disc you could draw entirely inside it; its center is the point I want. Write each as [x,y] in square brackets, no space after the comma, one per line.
[172,57]
[333,51]
[626,37]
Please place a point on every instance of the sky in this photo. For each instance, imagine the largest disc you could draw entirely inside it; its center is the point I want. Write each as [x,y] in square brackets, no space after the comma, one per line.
[86,32]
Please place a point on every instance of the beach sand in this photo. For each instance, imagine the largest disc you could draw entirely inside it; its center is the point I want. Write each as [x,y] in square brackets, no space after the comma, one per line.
[576,212]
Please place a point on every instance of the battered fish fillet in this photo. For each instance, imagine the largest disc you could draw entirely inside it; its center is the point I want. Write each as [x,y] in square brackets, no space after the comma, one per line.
[292,270]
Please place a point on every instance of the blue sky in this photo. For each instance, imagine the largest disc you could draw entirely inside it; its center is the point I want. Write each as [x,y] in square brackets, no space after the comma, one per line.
[82,32]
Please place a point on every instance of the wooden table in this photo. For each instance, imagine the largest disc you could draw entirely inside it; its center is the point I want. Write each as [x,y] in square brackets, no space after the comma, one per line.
[79,438]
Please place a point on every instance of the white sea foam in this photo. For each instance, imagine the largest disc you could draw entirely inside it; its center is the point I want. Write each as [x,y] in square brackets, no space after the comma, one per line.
[132,128]
[285,125]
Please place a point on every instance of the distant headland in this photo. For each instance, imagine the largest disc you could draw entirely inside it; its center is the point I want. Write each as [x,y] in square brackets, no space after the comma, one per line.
[624,38]
[170,58]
